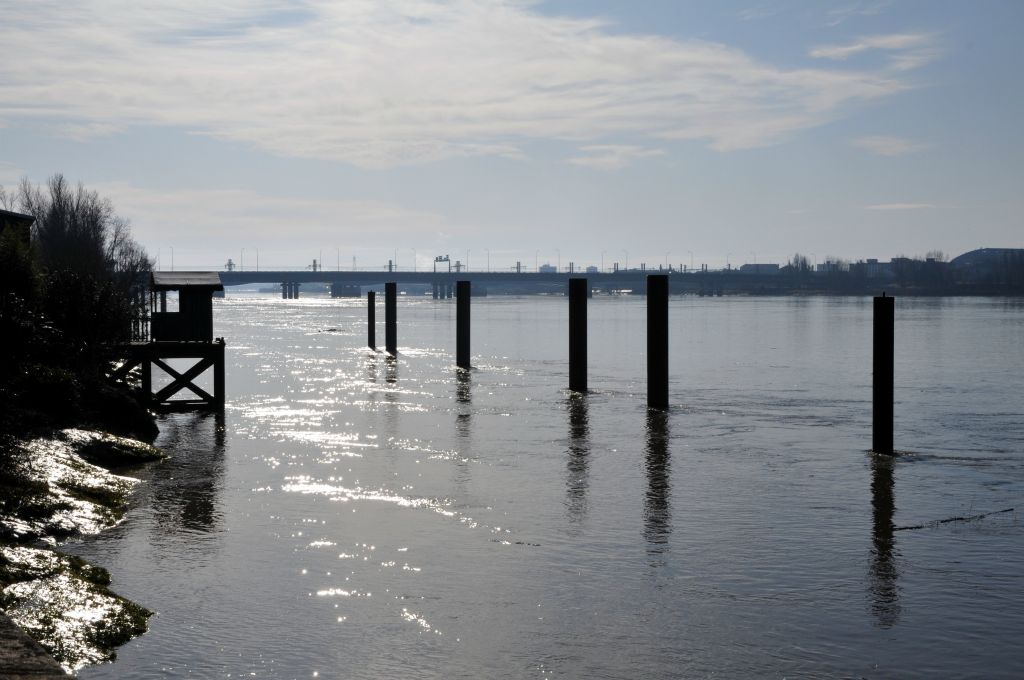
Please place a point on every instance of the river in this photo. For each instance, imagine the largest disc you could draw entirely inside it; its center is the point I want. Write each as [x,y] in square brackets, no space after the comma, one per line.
[354,516]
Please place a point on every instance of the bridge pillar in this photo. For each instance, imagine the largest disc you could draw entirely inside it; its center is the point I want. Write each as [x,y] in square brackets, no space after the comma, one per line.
[345,290]
[295,288]
[284,291]
[436,290]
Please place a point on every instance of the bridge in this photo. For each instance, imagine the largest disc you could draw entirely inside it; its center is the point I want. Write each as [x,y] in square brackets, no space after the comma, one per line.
[347,283]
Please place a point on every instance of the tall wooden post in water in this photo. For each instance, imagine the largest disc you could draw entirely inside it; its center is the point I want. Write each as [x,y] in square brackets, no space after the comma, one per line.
[462,295]
[882,382]
[657,341]
[390,323]
[578,289]
[371,319]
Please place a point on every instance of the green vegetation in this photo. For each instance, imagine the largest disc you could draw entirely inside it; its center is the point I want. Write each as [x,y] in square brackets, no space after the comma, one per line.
[69,296]
[29,580]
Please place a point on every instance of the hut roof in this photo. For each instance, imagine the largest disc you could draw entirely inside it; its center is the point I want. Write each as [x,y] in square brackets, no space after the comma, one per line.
[17,218]
[191,280]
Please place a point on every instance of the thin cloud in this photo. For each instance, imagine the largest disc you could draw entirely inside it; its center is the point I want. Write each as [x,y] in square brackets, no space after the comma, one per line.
[379,84]
[613,156]
[900,206]
[906,51]
[838,15]
[888,146]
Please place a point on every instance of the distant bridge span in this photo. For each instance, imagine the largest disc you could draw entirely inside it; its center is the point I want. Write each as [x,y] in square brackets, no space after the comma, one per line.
[633,279]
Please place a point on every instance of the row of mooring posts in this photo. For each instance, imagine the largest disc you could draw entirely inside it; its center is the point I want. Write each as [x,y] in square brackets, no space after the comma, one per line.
[290,290]
[657,345]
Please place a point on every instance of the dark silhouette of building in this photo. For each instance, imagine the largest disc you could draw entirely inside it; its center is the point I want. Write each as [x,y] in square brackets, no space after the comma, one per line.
[17,224]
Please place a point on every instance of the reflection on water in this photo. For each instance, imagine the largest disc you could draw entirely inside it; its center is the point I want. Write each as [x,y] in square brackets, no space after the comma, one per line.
[577,477]
[390,369]
[186,492]
[536,532]
[464,398]
[657,506]
[883,589]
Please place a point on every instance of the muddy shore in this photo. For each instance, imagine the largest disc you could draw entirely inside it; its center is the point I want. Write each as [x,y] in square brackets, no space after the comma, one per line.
[61,485]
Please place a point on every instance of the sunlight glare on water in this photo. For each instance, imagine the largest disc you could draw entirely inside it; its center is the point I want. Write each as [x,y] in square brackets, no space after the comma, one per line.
[359,516]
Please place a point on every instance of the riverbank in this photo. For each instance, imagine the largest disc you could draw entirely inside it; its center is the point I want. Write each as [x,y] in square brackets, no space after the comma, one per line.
[21,657]
[58,485]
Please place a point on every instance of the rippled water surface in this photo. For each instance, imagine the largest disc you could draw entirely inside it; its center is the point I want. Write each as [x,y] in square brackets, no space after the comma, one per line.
[354,516]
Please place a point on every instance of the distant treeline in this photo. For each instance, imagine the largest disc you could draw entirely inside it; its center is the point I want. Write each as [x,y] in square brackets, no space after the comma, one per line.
[69,293]
[932,273]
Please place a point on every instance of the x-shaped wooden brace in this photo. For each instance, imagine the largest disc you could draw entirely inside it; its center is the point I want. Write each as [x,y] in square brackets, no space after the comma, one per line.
[183,381]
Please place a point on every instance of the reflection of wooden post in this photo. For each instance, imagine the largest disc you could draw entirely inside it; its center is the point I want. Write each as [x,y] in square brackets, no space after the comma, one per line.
[371,319]
[578,289]
[882,383]
[390,323]
[462,295]
[657,341]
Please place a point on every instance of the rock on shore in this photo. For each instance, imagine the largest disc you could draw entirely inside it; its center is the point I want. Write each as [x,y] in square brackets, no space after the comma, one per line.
[61,601]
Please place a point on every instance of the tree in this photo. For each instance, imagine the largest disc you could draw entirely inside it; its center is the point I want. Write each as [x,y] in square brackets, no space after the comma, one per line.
[76,295]
[93,268]
[799,264]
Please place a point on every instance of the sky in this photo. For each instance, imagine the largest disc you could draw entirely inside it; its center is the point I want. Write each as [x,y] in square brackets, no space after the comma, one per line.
[592,132]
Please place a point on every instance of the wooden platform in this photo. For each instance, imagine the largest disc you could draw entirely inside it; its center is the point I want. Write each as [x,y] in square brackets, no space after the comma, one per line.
[207,355]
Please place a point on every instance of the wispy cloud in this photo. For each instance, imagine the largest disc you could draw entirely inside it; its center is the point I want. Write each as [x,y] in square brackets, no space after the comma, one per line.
[612,156]
[759,11]
[407,81]
[900,206]
[883,145]
[842,13]
[905,51]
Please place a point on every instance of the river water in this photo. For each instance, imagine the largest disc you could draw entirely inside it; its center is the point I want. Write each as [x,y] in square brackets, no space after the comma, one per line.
[351,516]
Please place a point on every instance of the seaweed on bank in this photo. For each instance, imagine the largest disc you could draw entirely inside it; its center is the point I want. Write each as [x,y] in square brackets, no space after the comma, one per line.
[59,600]
[64,604]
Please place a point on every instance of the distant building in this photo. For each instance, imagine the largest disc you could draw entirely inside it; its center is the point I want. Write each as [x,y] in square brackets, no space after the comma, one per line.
[759,269]
[592,270]
[871,268]
[832,267]
[548,269]
[985,263]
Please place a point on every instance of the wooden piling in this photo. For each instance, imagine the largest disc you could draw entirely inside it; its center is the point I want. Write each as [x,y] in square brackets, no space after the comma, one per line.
[657,341]
[371,319]
[390,322]
[218,374]
[882,375]
[578,289]
[462,295]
